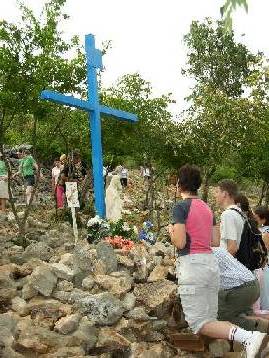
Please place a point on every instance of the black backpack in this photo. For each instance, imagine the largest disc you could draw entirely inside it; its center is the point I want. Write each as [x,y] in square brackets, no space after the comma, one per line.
[252,251]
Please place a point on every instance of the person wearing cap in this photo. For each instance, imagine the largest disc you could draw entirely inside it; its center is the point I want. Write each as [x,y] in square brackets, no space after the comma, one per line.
[3,184]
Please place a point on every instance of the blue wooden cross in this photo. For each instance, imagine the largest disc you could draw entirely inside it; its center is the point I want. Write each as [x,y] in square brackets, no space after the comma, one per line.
[94,109]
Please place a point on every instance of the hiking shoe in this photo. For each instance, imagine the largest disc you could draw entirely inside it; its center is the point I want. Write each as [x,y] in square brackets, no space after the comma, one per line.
[255,345]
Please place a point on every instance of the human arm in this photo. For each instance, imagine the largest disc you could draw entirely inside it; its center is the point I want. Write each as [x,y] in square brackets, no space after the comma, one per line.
[177,229]
[177,234]
[232,247]
[215,236]
[265,237]
[229,231]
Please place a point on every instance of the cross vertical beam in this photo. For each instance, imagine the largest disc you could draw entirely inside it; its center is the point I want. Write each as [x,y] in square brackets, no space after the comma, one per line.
[95,126]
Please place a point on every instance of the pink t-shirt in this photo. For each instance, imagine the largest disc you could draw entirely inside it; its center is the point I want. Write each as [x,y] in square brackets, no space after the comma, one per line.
[199,220]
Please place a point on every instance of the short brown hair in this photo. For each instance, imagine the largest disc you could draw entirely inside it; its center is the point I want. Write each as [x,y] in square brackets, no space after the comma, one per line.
[230,186]
[189,178]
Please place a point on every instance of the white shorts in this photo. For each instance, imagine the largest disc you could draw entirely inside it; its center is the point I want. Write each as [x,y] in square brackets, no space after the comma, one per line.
[198,280]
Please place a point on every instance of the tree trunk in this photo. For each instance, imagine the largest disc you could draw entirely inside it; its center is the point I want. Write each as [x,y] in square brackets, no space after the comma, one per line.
[267,195]
[34,134]
[264,185]
[205,188]
[2,115]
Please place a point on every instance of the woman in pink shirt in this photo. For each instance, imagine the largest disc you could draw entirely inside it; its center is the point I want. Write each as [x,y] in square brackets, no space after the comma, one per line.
[193,232]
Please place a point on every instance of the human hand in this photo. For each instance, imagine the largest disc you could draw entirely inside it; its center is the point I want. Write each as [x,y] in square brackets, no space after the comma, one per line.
[170,229]
[265,237]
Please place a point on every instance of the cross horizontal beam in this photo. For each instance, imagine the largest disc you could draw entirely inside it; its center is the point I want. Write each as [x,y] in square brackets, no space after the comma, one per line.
[66,100]
[86,106]
[119,114]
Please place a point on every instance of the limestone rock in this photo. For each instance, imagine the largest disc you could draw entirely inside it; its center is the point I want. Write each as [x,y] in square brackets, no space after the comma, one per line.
[117,283]
[219,347]
[125,261]
[128,301]
[160,249]
[86,335]
[84,260]
[156,296]
[40,308]
[157,350]
[8,288]
[68,324]
[39,340]
[62,271]
[19,305]
[62,296]
[38,250]
[65,286]
[138,313]
[103,308]
[88,283]
[84,257]
[112,340]
[67,259]
[159,273]
[28,291]
[43,280]
[106,253]
[66,352]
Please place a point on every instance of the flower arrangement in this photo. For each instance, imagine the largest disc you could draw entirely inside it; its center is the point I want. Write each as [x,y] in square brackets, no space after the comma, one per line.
[118,242]
[146,234]
[99,229]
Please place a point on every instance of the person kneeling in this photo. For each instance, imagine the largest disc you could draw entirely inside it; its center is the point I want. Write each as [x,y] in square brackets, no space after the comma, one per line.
[239,290]
[197,268]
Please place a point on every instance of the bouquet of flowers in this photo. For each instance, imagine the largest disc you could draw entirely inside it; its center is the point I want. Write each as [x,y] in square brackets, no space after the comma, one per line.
[146,234]
[118,242]
[98,228]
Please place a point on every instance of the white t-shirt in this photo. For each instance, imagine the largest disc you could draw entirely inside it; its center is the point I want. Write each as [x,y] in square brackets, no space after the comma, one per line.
[146,172]
[231,226]
[55,174]
[124,173]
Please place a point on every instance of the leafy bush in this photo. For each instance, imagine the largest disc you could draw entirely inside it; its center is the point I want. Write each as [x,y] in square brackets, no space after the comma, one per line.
[224,172]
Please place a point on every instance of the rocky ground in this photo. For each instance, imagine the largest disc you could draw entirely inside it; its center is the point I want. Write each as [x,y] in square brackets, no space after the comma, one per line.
[58,300]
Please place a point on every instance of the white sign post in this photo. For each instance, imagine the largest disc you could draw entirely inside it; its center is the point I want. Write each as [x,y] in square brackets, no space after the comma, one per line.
[72,201]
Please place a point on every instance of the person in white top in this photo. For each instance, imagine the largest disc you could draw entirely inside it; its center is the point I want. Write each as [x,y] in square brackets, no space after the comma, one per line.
[231,223]
[124,176]
[55,173]
[239,290]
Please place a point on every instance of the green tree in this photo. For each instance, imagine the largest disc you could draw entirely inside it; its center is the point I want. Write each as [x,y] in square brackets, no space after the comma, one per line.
[227,9]
[219,117]
[148,139]
[34,56]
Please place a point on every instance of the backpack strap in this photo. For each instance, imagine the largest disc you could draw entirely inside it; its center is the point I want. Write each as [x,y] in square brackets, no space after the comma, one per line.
[240,213]
[246,219]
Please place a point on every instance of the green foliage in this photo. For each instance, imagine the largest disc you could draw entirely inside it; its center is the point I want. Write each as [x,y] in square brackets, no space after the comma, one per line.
[147,140]
[33,57]
[216,60]
[120,228]
[227,9]
[224,172]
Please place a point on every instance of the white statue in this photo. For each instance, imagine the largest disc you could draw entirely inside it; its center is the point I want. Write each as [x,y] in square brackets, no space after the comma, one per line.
[113,199]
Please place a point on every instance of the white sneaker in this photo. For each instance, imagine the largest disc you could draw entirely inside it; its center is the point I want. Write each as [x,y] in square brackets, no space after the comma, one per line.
[256,344]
